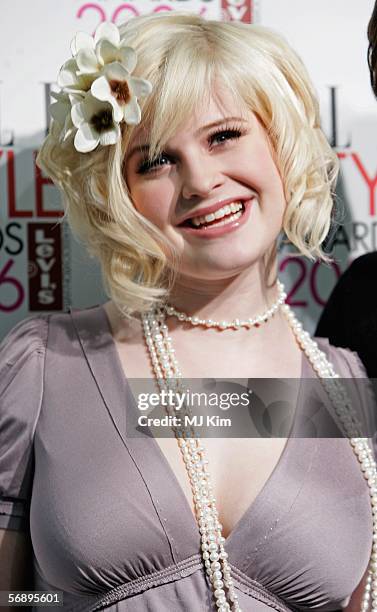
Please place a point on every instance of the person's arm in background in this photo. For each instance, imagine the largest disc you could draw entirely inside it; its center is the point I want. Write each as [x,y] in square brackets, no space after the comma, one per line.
[333,321]
[349,318]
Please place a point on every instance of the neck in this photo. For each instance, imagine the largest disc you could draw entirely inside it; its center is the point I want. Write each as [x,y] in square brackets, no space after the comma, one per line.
[246,295]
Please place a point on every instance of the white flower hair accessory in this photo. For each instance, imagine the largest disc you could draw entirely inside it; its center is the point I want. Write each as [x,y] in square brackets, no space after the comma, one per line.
[97,91]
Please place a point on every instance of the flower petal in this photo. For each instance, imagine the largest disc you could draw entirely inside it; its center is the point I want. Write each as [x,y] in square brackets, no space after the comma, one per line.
[129,58]
[132,112]
[106,52]
[109,31]
[78,114]
[101,89]
[110,137]
[93,105]
[85,140]
[82,40]
[76,97]
[140,87]
[58,95]
[117,109]
[116,71]
[84,81]
[87,61]
[68,74]
[59,111]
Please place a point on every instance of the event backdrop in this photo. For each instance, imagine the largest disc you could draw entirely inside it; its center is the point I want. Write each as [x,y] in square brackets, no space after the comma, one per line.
[42,267]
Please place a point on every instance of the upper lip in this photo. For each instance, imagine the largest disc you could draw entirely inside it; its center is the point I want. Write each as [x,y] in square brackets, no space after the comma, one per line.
[213,208]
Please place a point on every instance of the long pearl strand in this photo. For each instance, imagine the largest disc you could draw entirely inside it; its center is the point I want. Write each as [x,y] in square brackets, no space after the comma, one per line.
[212,541]
[168,375]
[352,429]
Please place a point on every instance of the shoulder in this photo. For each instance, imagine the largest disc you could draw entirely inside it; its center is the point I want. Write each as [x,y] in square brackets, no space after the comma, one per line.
[23,350]
[24,343]
[364,263]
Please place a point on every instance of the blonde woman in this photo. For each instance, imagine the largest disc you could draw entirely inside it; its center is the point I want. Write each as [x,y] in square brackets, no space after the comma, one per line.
[183,147]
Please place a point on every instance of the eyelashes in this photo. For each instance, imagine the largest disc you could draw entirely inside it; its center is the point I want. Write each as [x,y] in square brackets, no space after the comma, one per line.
[230,132]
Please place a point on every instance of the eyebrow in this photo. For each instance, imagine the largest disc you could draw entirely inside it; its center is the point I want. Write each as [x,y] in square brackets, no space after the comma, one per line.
[145,147]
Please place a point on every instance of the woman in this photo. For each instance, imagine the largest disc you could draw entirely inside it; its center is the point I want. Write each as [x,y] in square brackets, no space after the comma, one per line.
[182,199]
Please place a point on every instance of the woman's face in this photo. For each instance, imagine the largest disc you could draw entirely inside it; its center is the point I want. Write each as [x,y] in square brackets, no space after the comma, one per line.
[201,166]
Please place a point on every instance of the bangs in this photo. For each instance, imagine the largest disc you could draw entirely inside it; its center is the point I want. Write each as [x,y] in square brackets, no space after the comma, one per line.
[193,72]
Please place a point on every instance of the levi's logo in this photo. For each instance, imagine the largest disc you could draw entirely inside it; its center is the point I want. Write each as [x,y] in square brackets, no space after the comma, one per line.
[45,266]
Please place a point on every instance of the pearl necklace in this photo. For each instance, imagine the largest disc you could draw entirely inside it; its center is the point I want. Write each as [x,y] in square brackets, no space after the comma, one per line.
[236,323]
[215,558]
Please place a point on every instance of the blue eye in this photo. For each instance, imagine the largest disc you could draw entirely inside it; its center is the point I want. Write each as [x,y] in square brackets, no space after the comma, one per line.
[146,165]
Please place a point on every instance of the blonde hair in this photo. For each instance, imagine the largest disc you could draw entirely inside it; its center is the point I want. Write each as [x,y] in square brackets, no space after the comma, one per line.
[182,55]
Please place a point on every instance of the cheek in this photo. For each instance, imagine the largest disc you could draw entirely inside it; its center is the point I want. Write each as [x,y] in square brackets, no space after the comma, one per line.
[151,202]
[273,198]
[267,170]
[258,168]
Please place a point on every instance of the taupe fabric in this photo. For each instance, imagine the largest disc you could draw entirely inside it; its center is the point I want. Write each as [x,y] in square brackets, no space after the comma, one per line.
[109,522]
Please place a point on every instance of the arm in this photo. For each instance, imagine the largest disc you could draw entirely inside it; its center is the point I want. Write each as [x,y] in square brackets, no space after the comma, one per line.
[15,563]
[21,391]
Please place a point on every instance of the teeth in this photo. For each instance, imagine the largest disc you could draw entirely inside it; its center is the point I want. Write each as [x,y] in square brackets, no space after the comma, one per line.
[227,220]
[219,214]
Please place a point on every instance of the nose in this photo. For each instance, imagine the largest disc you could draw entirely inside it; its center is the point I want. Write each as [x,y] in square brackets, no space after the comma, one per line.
[201,176]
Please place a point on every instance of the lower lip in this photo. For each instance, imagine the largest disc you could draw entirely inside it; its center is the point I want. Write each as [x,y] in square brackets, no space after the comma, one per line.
[215,232]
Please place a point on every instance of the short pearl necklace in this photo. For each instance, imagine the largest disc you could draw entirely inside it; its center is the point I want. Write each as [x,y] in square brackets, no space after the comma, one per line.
[236,323]
[215,558]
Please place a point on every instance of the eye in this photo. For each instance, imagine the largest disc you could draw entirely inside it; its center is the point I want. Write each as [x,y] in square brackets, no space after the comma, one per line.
[148,166]
[217,138]
[229,134]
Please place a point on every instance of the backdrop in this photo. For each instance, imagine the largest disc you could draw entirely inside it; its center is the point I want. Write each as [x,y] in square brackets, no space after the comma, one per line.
[43,269]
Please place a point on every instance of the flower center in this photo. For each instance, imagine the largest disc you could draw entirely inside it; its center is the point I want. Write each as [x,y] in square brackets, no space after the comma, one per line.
[102,121]
[120,91]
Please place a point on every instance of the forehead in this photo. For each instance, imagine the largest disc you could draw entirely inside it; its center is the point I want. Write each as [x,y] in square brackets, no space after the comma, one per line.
[218,104]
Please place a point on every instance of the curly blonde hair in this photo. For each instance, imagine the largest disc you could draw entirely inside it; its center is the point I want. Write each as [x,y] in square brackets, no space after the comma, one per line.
[182,55]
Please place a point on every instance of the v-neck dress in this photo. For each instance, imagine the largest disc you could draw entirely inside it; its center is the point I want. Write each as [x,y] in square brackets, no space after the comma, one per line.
[109,522]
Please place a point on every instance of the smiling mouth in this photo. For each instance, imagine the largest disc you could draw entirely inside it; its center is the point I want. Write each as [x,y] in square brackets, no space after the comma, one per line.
[225,219]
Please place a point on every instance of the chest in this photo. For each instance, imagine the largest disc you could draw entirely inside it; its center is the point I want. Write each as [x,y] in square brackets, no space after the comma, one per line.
[238,467]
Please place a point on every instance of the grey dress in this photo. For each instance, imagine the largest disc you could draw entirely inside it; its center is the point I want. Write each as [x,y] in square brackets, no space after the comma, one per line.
[109,522]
